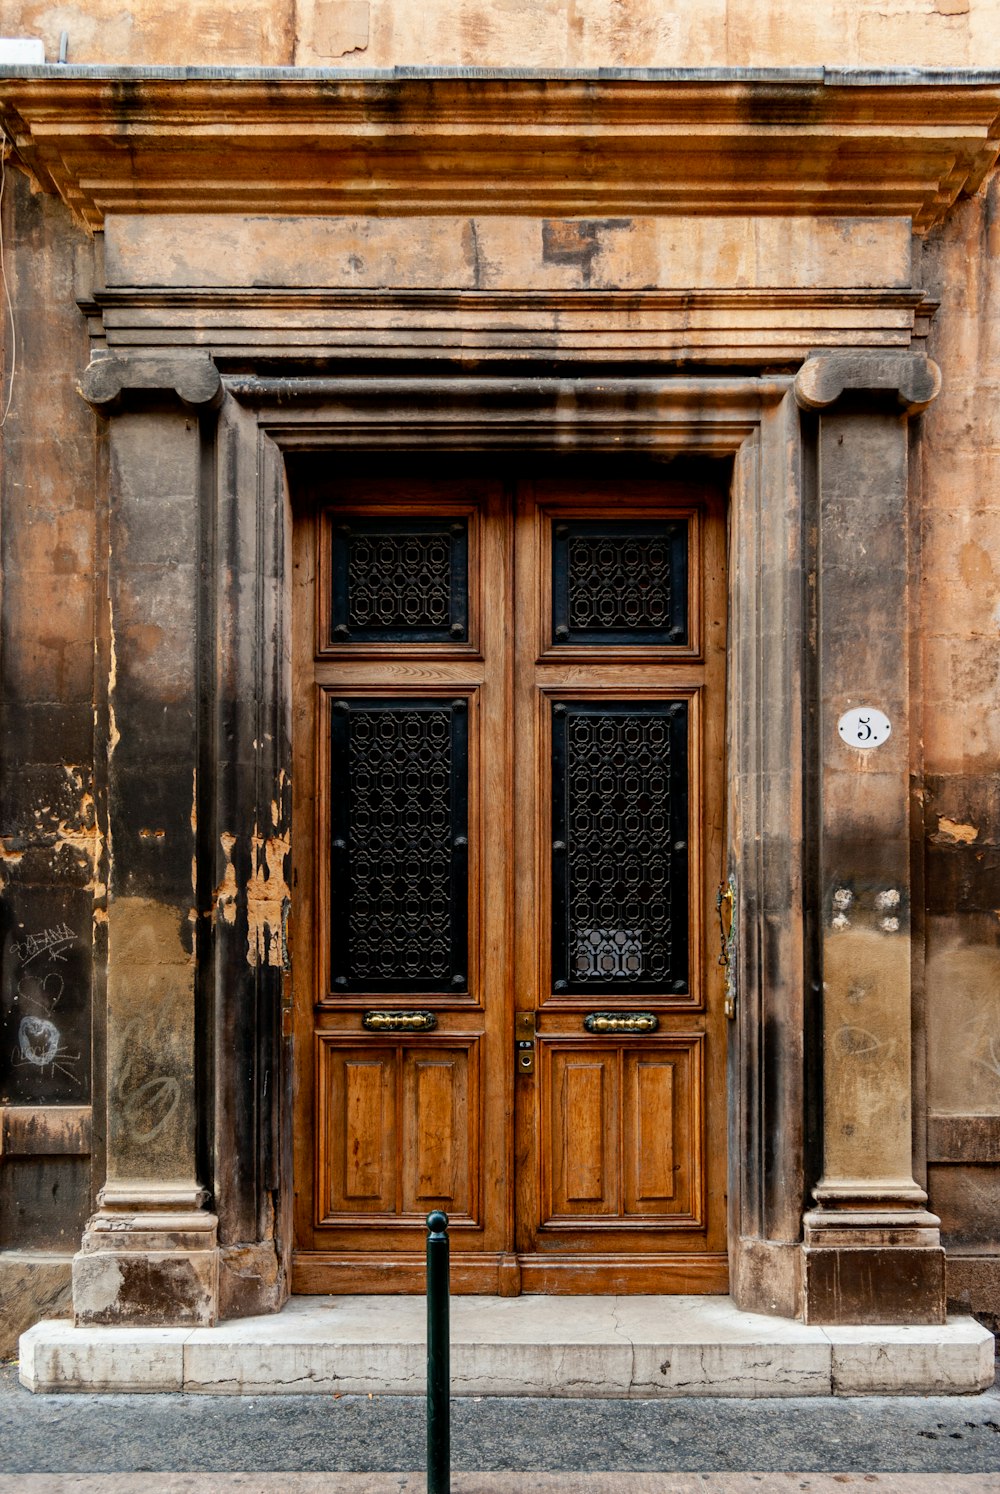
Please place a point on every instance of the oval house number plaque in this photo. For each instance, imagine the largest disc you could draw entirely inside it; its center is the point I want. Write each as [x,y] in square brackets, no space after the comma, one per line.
[864,727]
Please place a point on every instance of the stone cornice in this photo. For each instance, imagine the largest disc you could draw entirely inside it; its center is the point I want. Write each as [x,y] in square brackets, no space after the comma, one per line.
[466,141]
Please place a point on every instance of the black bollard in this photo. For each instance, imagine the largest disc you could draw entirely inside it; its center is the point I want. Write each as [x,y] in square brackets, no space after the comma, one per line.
[438,1357]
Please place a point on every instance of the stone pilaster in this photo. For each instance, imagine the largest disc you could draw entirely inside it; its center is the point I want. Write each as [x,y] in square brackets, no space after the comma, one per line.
[149,1254]
[871,1250]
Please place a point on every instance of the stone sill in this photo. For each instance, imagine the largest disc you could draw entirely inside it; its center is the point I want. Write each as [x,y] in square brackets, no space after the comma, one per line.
[621,1347]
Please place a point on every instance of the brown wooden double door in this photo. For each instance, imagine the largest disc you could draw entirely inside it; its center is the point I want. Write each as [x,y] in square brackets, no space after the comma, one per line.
[507,839]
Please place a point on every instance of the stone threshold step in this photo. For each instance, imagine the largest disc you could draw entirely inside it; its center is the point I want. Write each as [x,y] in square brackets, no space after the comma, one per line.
[642,1347]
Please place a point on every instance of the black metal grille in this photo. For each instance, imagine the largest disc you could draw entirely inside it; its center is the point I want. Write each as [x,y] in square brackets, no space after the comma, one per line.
[400,581]
[399,852]
[620,583]
[619,857]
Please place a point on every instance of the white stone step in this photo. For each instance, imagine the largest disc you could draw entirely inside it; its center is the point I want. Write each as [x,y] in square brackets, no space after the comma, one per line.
[643,1347]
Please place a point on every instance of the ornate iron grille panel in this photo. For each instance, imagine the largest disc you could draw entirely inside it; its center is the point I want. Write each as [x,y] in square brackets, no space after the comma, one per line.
[619,847]
[399,845]
[400,581]
[620,583]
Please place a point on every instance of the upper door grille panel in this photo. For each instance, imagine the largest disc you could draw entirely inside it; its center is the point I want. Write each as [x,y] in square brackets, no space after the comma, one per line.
[400,580]
[622,582]
[399,845]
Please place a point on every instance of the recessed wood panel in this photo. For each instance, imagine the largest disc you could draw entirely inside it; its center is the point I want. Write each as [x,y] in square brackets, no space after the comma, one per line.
[396,1136]
[438,1148]
[583,1107]
[649,1100]
[357,1130]
[663,1130]
[624,1125]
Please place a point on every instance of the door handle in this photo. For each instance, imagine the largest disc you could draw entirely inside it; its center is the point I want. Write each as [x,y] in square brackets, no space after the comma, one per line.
[630,1022]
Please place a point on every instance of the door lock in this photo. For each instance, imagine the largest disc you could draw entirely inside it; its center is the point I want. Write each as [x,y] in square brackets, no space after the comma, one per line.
[524,1043]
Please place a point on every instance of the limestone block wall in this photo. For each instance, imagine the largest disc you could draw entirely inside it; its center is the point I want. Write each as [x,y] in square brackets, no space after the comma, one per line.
[960,656]
[51,853]
[517,33]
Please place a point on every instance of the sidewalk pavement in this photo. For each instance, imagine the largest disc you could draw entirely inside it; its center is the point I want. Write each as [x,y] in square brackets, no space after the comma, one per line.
[339,1444]
[509,1483]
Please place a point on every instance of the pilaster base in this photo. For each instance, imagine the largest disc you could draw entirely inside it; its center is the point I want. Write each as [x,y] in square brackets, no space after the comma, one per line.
[157,1266]
[873,1266]
[766,1276]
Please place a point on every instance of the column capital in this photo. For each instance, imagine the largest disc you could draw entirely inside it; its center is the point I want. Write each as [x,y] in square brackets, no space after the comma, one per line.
[914,378]
[191,378]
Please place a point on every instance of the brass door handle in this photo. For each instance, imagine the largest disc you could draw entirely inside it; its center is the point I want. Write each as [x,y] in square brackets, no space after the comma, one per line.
[621,1022]
[399,1021]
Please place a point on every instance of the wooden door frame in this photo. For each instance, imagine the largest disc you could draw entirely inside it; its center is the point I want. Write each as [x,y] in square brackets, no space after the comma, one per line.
[266,425]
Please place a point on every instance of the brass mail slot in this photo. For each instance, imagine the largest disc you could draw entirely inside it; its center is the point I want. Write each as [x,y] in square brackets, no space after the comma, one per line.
[621,1022]
[399,1021]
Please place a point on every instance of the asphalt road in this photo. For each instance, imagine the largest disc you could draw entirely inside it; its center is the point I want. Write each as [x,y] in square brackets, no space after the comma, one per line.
[81,1434]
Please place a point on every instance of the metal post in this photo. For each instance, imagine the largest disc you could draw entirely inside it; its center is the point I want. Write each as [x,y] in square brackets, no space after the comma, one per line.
[438,1357]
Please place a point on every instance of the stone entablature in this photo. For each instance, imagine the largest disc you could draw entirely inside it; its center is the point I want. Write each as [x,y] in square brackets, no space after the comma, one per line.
[468,140]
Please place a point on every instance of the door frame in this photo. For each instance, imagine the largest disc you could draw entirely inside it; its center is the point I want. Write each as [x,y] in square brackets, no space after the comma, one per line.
[753,421]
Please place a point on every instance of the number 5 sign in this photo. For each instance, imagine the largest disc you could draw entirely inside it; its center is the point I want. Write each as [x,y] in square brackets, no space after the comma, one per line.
[864,727]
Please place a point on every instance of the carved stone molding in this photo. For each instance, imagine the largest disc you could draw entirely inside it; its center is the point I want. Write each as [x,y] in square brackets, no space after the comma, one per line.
[192,378]
[732,327]
[640,141]
[824,378]
[520,413]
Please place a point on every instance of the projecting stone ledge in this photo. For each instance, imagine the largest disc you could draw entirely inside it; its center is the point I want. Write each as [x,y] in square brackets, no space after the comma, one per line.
[638,1347]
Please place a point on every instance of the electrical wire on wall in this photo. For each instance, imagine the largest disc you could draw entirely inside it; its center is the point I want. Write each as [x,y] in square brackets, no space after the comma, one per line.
[5,145]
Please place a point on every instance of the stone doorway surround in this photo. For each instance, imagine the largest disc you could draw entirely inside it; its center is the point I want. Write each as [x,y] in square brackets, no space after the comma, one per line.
[750,300]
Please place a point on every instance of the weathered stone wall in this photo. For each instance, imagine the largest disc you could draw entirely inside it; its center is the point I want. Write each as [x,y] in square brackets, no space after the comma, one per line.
[521,33]
[960,645]
[50,846]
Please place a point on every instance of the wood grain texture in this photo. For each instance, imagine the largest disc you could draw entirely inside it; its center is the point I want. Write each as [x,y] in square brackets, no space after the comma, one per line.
[356,1129]
[604,1170]
[654,1143]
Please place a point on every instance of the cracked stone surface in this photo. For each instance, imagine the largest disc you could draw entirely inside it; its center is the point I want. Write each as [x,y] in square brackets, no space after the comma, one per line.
[601,1347]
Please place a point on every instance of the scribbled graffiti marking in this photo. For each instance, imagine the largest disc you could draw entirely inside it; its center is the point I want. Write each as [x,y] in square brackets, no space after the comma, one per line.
[148,1105]
[40,989]
[151,1105]
[991,1064]
[43,992]
[52,942]
[858,1042]
[39,1043]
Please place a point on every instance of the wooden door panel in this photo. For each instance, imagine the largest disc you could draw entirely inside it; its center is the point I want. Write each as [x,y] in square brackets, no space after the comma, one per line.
[394,1138]
[662,1127]
[619,696]
[649,1134]
[357,1130]
[581,1103]
[624,1133]
[439,1151]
